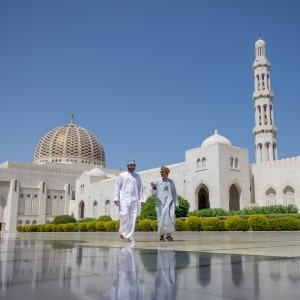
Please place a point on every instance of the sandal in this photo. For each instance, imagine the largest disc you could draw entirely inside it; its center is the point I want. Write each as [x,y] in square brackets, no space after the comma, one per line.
[169,237]
[131,240]
[162,238]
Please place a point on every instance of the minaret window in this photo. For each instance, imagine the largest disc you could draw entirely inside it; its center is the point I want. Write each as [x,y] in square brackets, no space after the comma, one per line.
[265,115]
[259,115]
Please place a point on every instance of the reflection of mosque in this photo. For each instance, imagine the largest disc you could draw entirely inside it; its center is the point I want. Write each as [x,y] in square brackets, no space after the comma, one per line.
[71,271]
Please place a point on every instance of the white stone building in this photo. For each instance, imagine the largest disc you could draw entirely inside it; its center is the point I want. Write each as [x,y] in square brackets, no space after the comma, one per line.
[69,176]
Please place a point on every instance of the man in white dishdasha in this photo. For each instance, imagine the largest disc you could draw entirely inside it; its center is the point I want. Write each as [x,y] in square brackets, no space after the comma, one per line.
[128,196]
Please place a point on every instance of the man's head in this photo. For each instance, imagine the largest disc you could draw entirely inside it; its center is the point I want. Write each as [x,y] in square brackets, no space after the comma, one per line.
[164,172]
[131,166]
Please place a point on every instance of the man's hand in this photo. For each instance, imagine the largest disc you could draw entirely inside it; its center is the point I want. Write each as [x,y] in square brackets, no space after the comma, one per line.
[117,202]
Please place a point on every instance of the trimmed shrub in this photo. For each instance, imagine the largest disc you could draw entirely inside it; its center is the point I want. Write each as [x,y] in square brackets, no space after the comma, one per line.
[208,212]
[210,224]
[63,219]
[70,227]
[153,225]
[258,222]
[179,225]
[91,226]
[137,226]
[105,218]
[148,210]
[117,224]
[110,226]
[145,225]
[284,223]
[60,227]
[193,223]
[49,227]
[33,228]
[42,228]
[222,225]
[236,223]
[100,226]
[83,227]
[183,208]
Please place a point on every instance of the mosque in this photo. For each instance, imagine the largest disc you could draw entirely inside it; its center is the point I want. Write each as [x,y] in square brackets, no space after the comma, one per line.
[69,175]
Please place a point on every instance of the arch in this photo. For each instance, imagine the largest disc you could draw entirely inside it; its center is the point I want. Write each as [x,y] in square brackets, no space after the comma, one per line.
[288,195]
[81,210]
[107,208]
[270,197]
[234,197]
[203,197]
[95,209]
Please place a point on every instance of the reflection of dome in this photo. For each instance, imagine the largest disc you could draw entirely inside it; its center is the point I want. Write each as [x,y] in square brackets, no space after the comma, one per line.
[70,144]
[216,139]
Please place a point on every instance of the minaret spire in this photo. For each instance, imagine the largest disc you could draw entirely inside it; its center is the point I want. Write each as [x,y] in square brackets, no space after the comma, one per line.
[265,131]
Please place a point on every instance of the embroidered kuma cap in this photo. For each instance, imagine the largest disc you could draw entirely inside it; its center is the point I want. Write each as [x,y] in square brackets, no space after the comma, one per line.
[165,169]
[131,162]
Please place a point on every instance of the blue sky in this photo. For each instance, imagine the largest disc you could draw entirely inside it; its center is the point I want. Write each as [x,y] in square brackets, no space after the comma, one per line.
[150,79]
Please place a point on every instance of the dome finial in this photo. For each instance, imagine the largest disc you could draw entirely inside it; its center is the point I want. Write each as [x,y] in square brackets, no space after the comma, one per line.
[216,131]
[72,119]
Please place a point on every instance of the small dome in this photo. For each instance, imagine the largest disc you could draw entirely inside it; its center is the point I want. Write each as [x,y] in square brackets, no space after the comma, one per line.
[260,43]
[97,173]
[216,139]
[69,144]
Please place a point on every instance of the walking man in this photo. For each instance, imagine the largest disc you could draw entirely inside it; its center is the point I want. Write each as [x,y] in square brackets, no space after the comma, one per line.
[128,196]
[166,201]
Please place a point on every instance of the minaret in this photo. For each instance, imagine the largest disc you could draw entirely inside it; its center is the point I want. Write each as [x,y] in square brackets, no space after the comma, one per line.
[265,131]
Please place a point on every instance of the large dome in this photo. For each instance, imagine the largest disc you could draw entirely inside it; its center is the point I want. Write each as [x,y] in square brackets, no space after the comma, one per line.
[70,144]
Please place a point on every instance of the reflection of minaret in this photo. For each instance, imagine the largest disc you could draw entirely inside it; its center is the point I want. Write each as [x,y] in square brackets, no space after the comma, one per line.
[265,131]
[204,272]
[237,269]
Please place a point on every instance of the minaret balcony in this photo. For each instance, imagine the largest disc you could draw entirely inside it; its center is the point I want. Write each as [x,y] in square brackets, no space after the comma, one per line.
[265,129]
[263,94]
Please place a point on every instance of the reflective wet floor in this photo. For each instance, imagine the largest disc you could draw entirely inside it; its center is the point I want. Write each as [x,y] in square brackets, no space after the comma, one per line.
[196,265]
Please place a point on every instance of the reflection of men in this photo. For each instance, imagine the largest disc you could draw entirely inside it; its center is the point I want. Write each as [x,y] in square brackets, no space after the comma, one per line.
[128,285]
[166,279]
[128,195]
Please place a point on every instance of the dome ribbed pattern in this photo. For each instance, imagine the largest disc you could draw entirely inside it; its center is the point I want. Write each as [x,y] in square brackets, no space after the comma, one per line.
[69,144]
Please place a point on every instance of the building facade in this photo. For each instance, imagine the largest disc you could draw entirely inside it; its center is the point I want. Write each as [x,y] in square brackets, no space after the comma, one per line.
[69,176]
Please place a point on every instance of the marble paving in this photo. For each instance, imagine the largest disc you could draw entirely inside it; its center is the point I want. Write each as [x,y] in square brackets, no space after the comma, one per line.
[196,265]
